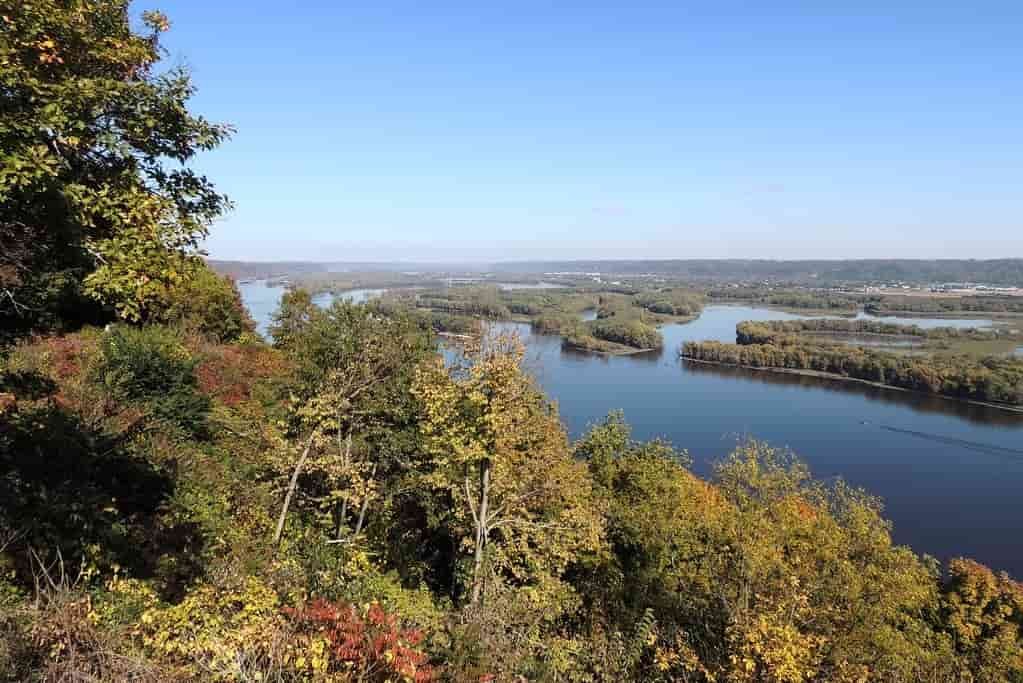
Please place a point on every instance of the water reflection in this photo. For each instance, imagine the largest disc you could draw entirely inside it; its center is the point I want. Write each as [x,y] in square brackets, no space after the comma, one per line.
[915,401]
[927,323]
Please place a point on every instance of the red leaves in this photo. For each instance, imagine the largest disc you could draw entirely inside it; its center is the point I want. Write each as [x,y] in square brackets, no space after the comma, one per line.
[229,373]
[370,640]
[66,354]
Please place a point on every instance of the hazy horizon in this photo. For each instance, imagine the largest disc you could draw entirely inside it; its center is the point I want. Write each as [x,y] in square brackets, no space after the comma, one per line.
[502,253]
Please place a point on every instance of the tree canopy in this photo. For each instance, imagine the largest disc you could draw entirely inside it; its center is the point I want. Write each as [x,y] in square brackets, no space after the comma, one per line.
[99,212]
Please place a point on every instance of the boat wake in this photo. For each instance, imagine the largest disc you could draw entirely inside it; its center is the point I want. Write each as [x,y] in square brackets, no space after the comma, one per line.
[963,443]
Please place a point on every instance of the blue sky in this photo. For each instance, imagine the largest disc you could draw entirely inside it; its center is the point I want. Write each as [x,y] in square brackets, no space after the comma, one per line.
[495,131]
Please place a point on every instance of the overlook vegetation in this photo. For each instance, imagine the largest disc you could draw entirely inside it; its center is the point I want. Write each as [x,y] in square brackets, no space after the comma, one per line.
[182,501]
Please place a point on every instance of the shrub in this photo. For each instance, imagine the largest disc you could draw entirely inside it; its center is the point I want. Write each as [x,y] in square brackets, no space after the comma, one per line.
[368,643]
[152,366]
[219,632]
[210,305]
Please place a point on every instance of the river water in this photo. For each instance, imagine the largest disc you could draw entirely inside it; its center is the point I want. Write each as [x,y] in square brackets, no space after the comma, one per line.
[950,474]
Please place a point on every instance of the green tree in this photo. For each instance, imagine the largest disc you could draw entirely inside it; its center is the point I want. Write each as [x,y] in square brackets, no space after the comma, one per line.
[208,304]
[500,451]
[353,413]
[89,205]
[293,317]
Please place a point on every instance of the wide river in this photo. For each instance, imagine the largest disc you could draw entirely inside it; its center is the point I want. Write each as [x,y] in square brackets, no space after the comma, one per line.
[950,474]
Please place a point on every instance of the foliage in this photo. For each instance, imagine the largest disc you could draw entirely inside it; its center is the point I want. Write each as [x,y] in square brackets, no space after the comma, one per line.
[151,366]
[185,502]
[499,452]
[785,331]
[216,632]
[454,324]
[670,302]
[61,636]
[983,613]
[634,333]
[945,304]
[294,315]
[359,644]
[809,299]
[71,480]
[995,379]
[603,560]
[86,193]
[485,302]
[352,422]
[208,304]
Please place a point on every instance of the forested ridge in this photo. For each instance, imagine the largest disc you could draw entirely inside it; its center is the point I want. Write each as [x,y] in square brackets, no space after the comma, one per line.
[1006,272]
[182,500]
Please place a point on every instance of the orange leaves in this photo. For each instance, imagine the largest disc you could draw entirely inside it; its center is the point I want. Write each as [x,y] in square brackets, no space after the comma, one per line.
[48,51]
[984,612]
[229,373]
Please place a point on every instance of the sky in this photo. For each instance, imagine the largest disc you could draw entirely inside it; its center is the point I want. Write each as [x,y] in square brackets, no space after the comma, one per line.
[531,130]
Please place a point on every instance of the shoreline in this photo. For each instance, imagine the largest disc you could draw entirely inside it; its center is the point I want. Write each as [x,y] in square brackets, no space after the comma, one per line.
[842,378]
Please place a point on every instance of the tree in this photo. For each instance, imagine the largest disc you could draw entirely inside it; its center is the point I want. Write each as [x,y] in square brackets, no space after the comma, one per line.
[293,317]
[984,614]
[499,450]
[89,205]
[353,409]
[209,304]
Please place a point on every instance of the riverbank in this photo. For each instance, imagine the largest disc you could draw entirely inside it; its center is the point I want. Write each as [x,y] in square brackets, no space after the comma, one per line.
[844,378]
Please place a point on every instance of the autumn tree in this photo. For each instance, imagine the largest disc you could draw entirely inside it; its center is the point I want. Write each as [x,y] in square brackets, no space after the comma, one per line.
[497,448]
[353,413]
[96,202]
[983,612]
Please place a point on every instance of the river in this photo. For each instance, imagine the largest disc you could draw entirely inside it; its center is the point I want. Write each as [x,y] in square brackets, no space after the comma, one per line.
[950,473]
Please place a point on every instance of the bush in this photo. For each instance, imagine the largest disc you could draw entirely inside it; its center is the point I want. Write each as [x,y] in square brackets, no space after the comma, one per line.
[368,643]
[151,366]
[210,305]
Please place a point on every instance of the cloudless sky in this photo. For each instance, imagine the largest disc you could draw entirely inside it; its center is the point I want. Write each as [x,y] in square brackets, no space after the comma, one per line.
[509,130]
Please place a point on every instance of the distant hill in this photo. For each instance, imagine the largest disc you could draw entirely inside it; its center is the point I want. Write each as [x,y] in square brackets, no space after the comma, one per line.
[1006,272]
[1003,272]
[253,270]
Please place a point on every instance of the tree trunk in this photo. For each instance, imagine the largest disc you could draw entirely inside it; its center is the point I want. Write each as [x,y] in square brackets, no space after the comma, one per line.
[291,491]
[365,504]
[481,532]
[346,460]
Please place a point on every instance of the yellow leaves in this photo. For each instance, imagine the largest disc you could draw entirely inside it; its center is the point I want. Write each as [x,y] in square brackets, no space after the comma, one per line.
[157,21]
[214,625]
[680,655]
